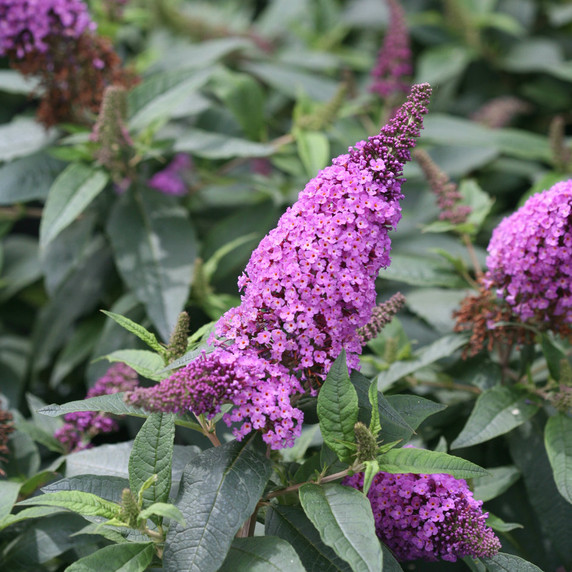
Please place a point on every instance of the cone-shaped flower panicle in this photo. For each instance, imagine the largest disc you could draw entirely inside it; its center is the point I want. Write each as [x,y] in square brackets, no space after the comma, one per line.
[393,64]
[530,259]
[310,284]
[428,517]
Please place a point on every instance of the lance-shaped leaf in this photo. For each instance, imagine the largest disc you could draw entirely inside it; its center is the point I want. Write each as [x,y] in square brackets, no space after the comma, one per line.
[69,195]
[86,504]
[126,557]
[344,520]
[142,333]
[165,510]
[152,454]
[492,486]
[421,461]
[33,512]
[105,486]
[509,563]
[262,554]
[144,362]
[291,524]
[155,250]
[338,409]
[218,492]
[558,442]
[497,411]
[427,355]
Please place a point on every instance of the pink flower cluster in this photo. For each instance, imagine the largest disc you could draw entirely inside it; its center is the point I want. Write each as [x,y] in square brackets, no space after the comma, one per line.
[80,427]
[26,25]
[530,258]
[310,284]
[394,59]
[428,517]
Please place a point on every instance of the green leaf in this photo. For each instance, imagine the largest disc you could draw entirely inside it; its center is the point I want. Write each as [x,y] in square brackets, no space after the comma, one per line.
[8,495]
[554,353]
[78,294]
[86,504]
[479,201]
[338,409]
[374,424]
[105,486]
[33,512]
[344,520]
[23,136]
[219,491]
[142,333]
[428,462]
[164,510]
[443,63]
[390,564]
[313,149]
[422,271]
[499,525]
[28,178]
[509,563]
[126,557]
[144,362]
[495,484]
[290,81]
[212,145]
[69,195]
[443,347]
[244,97]
[156,97]
[371,469]
[155,250]
[558,442]
[261,554]
[112,403]
[291,524]
[152,455]
[497,411]
[527,449]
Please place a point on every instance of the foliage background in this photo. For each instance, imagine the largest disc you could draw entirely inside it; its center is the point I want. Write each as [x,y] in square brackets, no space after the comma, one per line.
[246,89]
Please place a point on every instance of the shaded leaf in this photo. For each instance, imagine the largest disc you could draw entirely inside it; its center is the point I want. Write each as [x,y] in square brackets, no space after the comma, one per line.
[126,557]
[69,195]
[497,411]
[493,485]
[291,524]
[344,520]
[147,230]
[261,554]
[219,145]
[558,442]
[23,136]
[509,563]
[219,491]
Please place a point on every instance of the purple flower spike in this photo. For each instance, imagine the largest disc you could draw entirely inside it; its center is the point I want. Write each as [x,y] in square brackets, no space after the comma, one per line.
[394,58]
[428,517]
[308,287]
[530,259]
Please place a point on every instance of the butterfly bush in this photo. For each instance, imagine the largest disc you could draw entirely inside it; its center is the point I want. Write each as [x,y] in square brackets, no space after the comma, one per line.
[530,258]
[81,426]
[428,517]
[307,290]
[393,63]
